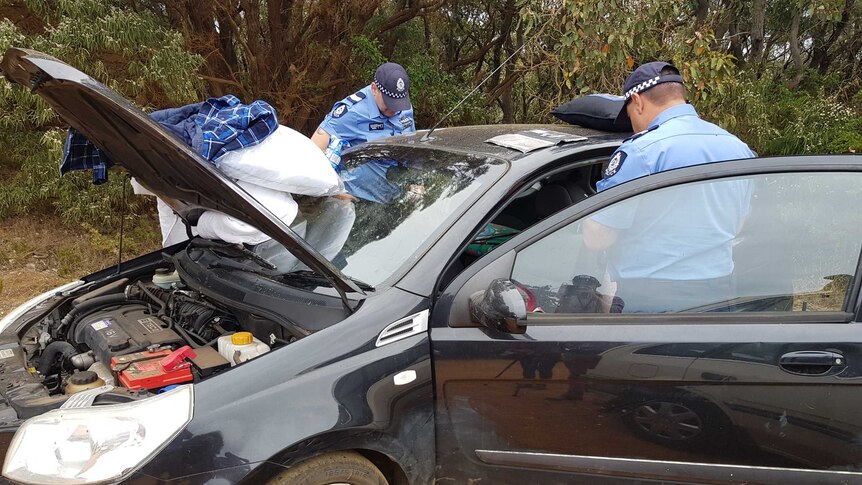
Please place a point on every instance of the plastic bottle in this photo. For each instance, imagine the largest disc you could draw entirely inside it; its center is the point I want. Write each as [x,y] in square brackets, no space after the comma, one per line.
[163,278]
[240,347]
[82,381]
[333,153]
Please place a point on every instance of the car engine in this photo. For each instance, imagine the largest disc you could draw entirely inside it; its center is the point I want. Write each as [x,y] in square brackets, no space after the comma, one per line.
[131,337]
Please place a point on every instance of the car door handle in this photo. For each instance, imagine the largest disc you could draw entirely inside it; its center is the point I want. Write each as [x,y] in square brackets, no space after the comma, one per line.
[811,362]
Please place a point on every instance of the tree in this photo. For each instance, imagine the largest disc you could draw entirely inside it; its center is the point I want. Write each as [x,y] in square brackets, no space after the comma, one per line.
[298,55]
[131,52]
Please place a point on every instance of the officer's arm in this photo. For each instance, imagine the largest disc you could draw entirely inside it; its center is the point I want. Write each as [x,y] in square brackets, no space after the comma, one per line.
[597,236]
[627,163]
[320,138]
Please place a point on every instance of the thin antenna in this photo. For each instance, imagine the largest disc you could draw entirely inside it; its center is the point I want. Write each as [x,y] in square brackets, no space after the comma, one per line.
[122,221]
[427,135]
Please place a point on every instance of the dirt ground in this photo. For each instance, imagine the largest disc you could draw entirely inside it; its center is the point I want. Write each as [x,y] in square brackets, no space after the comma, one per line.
[39,252]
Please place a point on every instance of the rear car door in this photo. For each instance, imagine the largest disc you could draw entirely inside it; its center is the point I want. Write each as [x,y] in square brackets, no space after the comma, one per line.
[714,338]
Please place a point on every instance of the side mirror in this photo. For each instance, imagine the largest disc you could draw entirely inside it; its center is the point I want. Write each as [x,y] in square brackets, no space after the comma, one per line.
[501,307]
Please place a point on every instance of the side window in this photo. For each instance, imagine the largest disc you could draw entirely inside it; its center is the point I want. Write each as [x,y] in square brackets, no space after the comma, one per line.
[778,242]
[541,199]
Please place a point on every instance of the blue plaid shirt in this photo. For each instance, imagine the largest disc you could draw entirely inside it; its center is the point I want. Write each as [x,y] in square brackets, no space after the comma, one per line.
[224,125]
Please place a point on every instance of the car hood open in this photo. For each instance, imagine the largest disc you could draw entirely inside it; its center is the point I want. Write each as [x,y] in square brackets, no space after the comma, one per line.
[157,159]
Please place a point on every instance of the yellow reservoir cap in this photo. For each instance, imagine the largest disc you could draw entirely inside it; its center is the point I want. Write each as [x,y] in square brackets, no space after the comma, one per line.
[241,338]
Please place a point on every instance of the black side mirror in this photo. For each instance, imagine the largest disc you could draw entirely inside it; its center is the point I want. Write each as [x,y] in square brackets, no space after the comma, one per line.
[501,307]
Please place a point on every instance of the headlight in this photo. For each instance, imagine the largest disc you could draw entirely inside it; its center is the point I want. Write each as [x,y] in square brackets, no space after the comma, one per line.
[96,444]
[16,313]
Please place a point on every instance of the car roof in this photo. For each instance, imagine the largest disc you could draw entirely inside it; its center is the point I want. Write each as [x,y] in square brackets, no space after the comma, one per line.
[472,139]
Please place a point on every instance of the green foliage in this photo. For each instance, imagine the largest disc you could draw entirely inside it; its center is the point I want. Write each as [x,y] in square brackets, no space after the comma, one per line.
[368,54]
[434,92]
[437,93]
[329,48]
[131,52]
[774,120]
[36,184]
[128,51]
[595,44]
[591,46]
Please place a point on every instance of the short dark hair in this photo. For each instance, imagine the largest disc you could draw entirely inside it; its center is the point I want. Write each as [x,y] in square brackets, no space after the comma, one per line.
[666,92]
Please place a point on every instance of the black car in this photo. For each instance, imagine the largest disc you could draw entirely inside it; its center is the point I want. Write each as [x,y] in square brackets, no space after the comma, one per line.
[466,332]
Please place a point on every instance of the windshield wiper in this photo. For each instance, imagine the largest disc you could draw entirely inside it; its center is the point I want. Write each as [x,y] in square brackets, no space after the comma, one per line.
[311,276]
[233,265]
[236,249]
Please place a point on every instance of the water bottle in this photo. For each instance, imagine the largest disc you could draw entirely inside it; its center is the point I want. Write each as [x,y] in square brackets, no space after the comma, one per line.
[333,153]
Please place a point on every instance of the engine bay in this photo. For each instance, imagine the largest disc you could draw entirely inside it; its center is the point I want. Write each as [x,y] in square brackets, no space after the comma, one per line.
[190,316]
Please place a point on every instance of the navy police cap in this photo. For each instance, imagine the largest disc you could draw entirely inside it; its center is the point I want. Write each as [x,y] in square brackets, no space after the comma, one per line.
[646,76]
[392,81]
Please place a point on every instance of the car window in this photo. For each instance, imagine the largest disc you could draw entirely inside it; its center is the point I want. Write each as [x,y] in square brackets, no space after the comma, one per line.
[407,197]
[539,200]
[778,242]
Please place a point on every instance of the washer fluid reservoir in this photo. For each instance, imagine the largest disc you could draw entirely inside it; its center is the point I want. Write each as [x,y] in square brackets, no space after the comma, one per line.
[240,347]
[82,381]
[164,278]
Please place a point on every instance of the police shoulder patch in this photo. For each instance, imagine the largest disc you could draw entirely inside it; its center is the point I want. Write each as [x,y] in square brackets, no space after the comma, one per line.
[356,97]
[641,133]
[615,163]
[339,110]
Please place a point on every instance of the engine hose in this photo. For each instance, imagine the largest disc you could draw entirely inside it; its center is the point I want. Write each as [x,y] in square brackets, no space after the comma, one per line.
[51,352]
[76,321]
[86,305]
[186,334]
[212,342]
[202,319]
[153,297]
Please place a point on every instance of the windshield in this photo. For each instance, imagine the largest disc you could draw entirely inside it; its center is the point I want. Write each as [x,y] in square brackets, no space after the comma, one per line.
[407,197]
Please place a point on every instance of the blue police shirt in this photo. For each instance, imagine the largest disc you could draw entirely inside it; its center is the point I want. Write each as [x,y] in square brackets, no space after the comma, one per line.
[676,138]
[682,232]
[357,119]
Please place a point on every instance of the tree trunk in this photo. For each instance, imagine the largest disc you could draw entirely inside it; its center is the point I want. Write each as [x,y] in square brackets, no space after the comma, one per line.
[840,26]
[795,53]
[735,48]
[854,56]
[701,10]
[758,15]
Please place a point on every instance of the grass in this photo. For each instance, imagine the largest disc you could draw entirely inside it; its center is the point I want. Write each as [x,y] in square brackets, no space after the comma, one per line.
[39,252]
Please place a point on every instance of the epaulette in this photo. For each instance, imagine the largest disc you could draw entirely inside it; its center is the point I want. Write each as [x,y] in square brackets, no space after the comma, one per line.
[356,97]
[641,133]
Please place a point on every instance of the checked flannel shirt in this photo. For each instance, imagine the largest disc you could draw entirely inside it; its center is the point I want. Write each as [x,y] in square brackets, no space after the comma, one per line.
[217,126]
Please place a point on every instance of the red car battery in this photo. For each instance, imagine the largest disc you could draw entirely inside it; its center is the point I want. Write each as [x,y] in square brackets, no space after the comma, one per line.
[152,370]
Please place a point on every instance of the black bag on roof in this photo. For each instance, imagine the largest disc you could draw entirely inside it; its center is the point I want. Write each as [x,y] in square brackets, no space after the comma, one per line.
[597,111]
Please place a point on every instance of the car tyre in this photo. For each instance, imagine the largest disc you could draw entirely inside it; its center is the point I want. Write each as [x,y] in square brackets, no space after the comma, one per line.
[679,421]
[348,468]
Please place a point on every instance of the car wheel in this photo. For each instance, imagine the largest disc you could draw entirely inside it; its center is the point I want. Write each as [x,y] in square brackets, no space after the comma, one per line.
[344,468]
[679,422]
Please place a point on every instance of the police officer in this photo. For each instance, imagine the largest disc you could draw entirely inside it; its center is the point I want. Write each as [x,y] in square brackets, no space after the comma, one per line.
[669,250]
[380,109]
[669,133]
[582,296]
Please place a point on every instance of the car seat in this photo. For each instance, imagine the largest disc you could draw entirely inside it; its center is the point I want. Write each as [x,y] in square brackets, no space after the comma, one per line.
[562,190]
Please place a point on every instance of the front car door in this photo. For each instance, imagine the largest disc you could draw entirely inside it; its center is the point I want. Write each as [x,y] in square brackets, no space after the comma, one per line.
[693,326]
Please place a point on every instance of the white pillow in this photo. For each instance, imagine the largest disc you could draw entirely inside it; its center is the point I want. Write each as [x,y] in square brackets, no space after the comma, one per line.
[216,225]
[287,161]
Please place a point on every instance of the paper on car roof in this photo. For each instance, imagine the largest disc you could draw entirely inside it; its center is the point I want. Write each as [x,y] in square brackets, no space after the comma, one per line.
[529,140]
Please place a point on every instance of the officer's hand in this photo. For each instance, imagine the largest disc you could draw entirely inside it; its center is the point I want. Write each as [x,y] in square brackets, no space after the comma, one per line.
[347,197]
